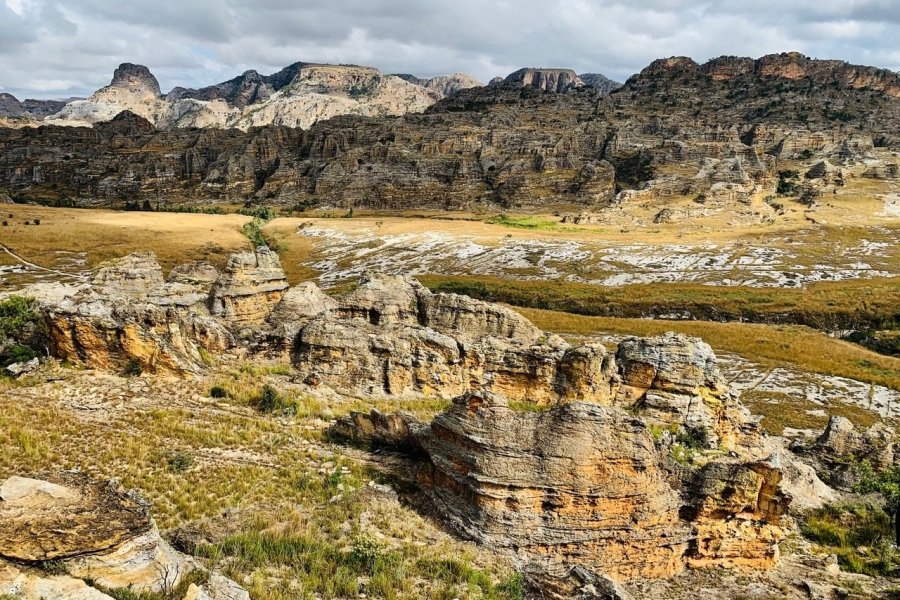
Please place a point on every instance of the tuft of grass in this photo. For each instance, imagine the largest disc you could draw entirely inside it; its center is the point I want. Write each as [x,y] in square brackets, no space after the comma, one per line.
[179,462]
[860,534]
[218,391]
[523,222]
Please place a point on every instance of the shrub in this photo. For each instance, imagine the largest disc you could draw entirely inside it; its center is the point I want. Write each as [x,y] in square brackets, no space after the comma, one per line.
[22,330]
[859,534]
[217,391]
[132,368]
[179,462]
[269,400]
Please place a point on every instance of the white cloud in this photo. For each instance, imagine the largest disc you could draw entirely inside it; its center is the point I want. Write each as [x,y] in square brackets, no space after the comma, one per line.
[61,48]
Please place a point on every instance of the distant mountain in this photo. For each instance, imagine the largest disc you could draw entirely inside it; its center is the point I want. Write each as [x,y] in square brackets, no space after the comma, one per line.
[556,80]
[10,106]
[718,133]
[296,96]
[601,83]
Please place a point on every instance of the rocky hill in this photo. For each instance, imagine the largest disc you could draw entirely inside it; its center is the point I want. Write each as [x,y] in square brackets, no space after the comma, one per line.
[29,111]
[296,96]
[716,132]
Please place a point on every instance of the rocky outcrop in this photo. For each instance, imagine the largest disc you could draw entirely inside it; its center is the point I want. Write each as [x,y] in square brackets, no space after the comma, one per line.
[580,483]
[603,84]
[664,469]
[393,337]
[837,453]
[297,96]
[93,532]
[128,316]
[249,288]
[548,80]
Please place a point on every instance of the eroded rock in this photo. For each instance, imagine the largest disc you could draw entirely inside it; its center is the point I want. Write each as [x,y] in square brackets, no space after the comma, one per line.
[249,288]
[95,531]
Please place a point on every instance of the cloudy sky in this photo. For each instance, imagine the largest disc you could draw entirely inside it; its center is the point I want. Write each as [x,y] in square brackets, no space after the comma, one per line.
[56,48]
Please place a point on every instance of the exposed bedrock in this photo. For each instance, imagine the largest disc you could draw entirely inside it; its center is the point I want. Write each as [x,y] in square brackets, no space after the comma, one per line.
[98,534]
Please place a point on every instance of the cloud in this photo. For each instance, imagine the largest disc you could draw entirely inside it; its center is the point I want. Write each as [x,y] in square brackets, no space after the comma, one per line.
[52,48]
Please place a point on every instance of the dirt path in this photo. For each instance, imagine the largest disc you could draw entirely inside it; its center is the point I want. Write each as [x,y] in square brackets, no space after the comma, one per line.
[28,263]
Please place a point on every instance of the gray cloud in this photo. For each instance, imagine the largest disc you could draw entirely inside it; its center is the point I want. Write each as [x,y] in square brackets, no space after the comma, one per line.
[51,48]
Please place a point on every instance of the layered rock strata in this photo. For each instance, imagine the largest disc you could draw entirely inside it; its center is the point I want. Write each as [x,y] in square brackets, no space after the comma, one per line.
[664,470]
[101,536]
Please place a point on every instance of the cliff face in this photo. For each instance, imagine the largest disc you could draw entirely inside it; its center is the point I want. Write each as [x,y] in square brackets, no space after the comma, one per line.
[717,131]
[448,159]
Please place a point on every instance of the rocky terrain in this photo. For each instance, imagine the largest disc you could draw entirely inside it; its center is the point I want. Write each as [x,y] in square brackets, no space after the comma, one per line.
[592,466]
[297,96]
[70,538]
[783,124]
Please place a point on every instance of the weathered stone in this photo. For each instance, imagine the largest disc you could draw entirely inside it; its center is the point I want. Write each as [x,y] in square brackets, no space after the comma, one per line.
[668,363]
[93,530]
[398,431]
[837,452]
[249,288]
[736,509]
[137,275]
[66,517]
[579,482]
[297,307]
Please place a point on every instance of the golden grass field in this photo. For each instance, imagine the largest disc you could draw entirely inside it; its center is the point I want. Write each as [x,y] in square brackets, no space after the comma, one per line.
[105,234]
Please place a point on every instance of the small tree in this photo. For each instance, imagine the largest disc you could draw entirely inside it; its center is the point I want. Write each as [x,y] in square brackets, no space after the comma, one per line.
[886,483]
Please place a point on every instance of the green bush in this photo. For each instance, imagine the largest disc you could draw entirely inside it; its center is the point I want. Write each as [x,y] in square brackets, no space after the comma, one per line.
[132,368]
[23,333]
[217,391]
[269,400]
[179,462]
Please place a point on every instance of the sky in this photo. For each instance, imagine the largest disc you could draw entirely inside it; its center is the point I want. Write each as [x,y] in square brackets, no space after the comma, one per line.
[61,48]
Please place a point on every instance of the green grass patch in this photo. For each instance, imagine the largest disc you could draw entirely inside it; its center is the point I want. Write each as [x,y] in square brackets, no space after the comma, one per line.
[870,304]
[860,534]
[523,222]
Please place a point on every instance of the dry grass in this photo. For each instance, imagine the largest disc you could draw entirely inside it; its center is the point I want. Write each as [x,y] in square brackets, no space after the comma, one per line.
[795,346]
[823,304]
[105,234]
[300,509]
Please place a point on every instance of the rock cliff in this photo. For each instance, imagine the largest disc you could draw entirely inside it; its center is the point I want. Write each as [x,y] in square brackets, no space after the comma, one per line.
[612,483]
[506,145]
[297,96]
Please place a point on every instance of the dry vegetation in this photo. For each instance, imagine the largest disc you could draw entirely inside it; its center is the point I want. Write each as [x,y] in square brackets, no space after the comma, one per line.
[295,517]
[792,345]
[105,234]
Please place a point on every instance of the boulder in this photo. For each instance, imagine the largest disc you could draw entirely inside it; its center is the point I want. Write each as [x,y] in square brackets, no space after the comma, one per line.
[96,532]
[669,363]
[299,305]
[837,452]
[137,275]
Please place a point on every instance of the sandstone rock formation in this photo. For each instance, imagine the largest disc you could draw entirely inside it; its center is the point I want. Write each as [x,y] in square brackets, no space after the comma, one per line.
[95,532]
[549,80]
[603,481]
[249,288]
[837,453]
[129,316]
[393,337]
